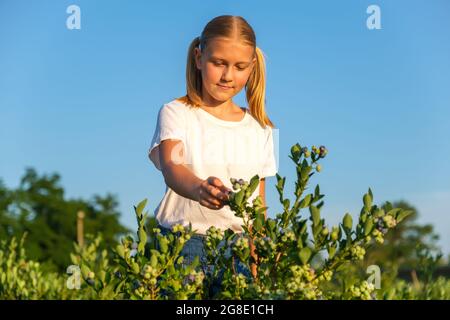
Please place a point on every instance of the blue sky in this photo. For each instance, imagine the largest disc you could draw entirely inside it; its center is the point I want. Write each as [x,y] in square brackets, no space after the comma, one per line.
[83,103]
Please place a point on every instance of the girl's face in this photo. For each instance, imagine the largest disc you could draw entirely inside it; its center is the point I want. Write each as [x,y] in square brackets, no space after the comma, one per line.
[225,66]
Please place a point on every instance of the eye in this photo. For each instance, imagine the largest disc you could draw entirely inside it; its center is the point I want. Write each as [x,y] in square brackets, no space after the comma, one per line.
[240,69]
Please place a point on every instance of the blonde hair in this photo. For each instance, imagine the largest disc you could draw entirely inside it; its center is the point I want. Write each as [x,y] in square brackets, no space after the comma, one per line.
[225,27]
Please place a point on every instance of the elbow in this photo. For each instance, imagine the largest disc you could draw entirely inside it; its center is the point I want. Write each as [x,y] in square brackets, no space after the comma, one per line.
[154,158]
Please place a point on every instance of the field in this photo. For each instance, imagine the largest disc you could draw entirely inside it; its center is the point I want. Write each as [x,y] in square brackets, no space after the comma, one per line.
[295,255]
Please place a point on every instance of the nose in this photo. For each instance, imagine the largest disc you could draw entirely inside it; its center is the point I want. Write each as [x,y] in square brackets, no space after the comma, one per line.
[227,74]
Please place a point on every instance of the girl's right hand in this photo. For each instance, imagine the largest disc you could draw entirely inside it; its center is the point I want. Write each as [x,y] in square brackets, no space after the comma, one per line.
[212,193]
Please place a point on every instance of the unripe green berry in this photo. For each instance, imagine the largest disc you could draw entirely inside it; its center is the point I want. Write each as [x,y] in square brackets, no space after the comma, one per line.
[334,235]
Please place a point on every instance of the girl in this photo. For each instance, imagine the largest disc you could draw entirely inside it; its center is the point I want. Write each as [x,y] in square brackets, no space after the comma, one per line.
[203,139]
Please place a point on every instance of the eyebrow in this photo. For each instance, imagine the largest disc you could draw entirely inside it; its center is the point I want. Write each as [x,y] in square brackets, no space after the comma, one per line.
[217,58]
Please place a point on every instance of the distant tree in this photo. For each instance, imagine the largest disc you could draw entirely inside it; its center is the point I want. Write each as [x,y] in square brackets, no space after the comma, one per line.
[8,224]
[39,208]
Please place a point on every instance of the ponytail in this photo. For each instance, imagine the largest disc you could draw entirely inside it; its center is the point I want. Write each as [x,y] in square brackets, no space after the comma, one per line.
[256,90]
[193,77]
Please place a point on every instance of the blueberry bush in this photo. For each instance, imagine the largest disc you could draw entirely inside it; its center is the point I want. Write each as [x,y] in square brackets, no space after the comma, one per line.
[295,255]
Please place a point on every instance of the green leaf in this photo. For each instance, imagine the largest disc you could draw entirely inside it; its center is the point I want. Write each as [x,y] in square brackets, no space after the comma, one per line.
[102,275]
[84,271]
[286,203]
[367,201]
[253,184]
[135,267]
[154,252]
[141,247]
[394,212]
[331,252]
[303,227]
[271,223]
[388,206]
[371,195]
[305,254]
[258,222]
[142,240]
[120,251]
[316,230]
[348,222]
[304,173]
[154,261]
[280,182]
[368,226]
[239,197]
[261,210]
[140,207]
[74,258]
[403,214]
[306,201]
[315,215]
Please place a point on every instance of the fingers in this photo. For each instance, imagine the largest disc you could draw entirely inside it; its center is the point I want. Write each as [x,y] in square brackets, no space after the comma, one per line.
[216,193]
[215,182]
[210,195]
[219,190]
[209,205]
[210,202]
[226,191]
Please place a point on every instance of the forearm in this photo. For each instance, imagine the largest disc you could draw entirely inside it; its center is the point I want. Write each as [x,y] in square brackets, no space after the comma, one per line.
[182,180]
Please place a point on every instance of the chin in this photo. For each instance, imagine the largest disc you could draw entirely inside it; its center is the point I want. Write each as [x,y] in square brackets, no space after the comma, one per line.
[221,96]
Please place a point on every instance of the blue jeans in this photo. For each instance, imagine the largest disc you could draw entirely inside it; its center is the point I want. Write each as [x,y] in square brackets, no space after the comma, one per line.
[194,247]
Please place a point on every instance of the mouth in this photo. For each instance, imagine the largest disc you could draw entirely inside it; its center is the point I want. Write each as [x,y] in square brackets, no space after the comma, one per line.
[224,87]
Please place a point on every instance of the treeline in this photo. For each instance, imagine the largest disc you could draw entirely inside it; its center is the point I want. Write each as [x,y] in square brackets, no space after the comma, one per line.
[39,208]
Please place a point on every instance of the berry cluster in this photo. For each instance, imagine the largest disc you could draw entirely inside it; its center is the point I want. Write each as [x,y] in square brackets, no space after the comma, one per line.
[363,291]
[357,252]
[237,184]
[302,284]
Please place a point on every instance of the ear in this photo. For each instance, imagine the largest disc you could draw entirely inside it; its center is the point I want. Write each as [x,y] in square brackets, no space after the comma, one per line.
[197,56]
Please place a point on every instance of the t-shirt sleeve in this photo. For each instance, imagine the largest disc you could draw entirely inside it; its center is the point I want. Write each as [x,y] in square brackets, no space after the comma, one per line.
[170,125]
[269,165]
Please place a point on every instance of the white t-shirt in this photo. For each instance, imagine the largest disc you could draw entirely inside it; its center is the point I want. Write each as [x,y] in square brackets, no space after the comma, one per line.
[212,147]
